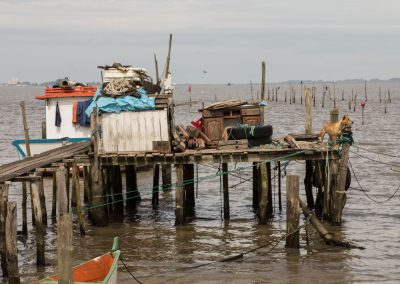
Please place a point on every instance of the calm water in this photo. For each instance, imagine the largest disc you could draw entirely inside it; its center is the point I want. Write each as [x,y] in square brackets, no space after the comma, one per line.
[157,252]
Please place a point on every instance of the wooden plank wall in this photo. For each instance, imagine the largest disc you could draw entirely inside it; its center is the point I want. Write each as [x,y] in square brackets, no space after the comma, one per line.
[133,131]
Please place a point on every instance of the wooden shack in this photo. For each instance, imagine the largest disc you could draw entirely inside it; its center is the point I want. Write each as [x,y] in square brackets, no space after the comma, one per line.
[143,131]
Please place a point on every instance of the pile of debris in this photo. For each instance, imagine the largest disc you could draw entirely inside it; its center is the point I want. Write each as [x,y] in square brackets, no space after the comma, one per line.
[189,138]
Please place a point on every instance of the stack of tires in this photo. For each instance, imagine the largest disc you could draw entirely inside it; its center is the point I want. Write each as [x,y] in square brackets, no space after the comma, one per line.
[256,136]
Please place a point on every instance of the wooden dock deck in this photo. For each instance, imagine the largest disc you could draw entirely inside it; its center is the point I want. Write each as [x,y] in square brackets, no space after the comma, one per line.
[308,151]
[10,171]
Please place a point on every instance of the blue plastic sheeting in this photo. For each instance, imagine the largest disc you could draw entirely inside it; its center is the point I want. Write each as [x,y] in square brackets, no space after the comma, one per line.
[125,103]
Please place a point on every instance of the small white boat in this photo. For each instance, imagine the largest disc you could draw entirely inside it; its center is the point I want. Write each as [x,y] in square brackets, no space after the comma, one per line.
[65,119]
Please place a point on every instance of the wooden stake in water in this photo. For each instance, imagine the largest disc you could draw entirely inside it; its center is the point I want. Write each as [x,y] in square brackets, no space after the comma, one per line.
[11,243]
[355,102]
[292,212]
[307,94]
[251,90]
[380,96]
[263,81]
[26,129]
[64,248]
[365,90]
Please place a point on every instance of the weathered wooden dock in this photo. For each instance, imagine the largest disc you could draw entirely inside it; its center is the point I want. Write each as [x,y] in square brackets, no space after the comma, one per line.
[102,179]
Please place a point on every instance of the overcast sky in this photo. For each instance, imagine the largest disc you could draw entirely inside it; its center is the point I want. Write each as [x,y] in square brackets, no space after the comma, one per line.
[41,40]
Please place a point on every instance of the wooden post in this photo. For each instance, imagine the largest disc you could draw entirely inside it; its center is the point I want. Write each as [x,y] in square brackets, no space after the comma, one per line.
[308,184]
[188,179]
[334,115]
[73,191]
[307,94]
[169,56]
[156,185]
[355,102]
[385,103]
[42,197]
[132,192]
[270,205]
[3,214]
[263,81]
[67,185]
[334,167]
[380,95]
[365,90]
[11,243]
[116,180]
[36,184]
[225,190]
[108,190]
[263,198]
[156,66]
[255,185]
[75,178]
[362,115]
[292,212]
[44,132]
[319,182]
[179,196]
[349,103]
[339,196]
[86,184]
[54,198]
[61,192]
[64,248]
[24,209]
[166,177]
[279,187]
[26,129]
[251,90]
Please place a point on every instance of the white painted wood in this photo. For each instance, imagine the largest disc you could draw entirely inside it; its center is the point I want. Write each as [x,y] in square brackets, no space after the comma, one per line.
[133,131]
[67,128]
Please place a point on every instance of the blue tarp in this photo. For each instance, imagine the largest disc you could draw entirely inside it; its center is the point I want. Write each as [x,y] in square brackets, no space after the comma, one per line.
[125,103]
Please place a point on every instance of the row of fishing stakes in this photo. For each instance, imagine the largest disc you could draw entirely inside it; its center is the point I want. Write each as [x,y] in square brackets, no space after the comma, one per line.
[326,92]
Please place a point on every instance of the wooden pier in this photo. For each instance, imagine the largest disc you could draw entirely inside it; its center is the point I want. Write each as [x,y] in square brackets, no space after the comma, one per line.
[104,196]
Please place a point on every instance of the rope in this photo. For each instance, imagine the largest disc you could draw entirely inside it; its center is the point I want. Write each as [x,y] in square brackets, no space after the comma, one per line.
[127,269]
[376,152]
[376,161]
[366,194]
[119,87]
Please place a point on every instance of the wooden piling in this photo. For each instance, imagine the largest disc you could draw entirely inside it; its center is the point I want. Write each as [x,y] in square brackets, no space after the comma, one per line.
[334,115]
[263,81]
[263,197]
[67,185]
[308,184]
[11,243]
[86,184]
[26,129]
[166,177]
[64,248]
[24,209]
[270,205]
[318,181]
[188,179]
[132,192]
[279,187]
[292,212]
[255,185]
[75,178]
[54,198]
[36,184]
[3,214]
[118,198]
[339,196]
[42,197]
[308,96]
[73,191]
[61,191]
[179,196]
[225,190]
[156,185]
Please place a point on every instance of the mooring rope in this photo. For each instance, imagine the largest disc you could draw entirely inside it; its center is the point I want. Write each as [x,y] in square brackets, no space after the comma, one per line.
[376,161]
[365,192]
[376,152]
[127,269]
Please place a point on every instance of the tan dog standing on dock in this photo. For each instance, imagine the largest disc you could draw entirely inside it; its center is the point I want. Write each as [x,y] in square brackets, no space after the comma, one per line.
[334,129]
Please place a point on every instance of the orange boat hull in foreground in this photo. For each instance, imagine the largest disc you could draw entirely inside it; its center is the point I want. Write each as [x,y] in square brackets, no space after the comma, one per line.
[102,269]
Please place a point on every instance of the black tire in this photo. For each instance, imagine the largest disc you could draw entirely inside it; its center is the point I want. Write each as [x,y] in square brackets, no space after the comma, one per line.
[237,133]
